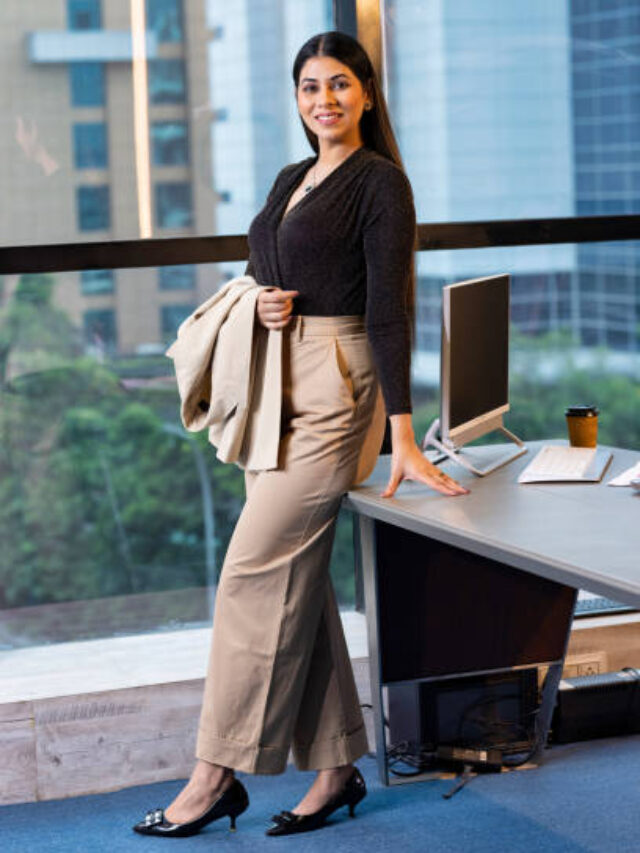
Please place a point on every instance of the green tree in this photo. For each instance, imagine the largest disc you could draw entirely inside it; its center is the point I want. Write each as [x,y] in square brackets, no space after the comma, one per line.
[97,496]
[32,325]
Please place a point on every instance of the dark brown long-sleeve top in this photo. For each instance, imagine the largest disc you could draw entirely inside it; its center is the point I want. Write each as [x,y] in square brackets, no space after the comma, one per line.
[347,248]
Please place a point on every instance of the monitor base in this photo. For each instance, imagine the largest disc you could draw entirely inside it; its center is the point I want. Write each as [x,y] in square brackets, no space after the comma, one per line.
[454,453]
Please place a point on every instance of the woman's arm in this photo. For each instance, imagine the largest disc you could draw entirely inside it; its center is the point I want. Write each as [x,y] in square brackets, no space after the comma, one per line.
[389,241]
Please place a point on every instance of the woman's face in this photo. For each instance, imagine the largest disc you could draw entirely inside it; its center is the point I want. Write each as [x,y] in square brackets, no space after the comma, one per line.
[331,100]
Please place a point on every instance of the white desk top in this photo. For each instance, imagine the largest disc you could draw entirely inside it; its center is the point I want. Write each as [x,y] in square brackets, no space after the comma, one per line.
[583,535]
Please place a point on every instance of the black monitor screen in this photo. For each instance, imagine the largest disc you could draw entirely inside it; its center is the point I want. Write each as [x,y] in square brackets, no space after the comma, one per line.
[478,341]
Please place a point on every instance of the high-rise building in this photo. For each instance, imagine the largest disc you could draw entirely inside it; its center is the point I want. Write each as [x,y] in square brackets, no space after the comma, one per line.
[480,96]
[514,111]
[73,167]
[605,39]
[256,127]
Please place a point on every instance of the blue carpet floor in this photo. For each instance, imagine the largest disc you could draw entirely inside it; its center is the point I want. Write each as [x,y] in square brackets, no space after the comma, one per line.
[584,797]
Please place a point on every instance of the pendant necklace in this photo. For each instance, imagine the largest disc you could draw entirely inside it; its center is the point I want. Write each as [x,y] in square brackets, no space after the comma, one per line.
[312,185]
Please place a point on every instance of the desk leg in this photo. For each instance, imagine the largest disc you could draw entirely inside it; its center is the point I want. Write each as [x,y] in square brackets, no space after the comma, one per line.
[369,570]
[550,688]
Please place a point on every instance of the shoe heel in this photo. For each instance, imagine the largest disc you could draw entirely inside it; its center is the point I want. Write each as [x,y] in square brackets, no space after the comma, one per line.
[234,812]
[352,809]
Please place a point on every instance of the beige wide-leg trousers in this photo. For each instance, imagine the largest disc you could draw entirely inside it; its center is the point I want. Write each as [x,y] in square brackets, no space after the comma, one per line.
[279,673]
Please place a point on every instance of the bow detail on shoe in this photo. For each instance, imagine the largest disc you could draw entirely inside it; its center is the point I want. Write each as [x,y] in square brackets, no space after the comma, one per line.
[285,818]
[154,817]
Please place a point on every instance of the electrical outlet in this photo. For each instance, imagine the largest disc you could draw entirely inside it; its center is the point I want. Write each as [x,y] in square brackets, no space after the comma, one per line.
[590,668]
[587,663]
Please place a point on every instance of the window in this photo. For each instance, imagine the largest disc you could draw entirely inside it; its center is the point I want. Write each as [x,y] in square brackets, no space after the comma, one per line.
[180,277]
[83,14]
[87,84]
[100,331]
[93,208]
[166,81]
[170,318]
[169,142]
[90,145]
[164,17]
[96,281]
[173,205]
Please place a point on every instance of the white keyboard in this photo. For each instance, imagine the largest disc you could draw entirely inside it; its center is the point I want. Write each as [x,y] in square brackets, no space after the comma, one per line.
[554,462]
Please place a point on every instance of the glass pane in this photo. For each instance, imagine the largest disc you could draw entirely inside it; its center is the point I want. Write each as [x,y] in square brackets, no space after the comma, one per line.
[171,316]
[218,111]
[138,511]
[87,84]
[100,334]
[93,208]
[170,143]
[97,281]
[574,337]
[173,205]
[90,145]
[180,277]
[511,110]
[83,14]
[164,17]
[166,81]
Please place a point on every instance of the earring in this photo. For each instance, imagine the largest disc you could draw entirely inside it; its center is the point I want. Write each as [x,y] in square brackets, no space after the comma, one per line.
[368,105]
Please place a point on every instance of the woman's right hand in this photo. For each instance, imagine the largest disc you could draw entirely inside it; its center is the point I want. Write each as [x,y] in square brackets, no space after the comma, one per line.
[275,306]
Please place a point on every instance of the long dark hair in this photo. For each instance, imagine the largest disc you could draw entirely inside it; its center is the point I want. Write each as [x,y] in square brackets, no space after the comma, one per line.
[375,125]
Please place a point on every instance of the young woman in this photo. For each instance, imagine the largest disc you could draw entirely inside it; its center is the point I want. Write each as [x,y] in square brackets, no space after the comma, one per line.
[333,248]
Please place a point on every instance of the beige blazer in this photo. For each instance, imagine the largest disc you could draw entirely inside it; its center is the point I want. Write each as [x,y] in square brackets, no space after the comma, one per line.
[229,373]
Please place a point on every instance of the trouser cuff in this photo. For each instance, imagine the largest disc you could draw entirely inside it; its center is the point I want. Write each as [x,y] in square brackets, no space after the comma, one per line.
[248,758]
[323,754]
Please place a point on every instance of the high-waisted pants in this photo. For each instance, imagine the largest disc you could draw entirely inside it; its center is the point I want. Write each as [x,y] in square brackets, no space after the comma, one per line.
[279,674]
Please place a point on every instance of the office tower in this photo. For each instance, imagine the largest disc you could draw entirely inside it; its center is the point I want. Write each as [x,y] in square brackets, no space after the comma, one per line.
[256,129]
[605,38]
[69,154]
[480,95]
[516,111]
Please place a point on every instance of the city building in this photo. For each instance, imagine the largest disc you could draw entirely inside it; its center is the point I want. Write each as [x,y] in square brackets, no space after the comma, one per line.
[605,38]
[505,112]
[73,163]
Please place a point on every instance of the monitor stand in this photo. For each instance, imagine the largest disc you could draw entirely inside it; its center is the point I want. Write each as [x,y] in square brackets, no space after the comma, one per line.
[451,451]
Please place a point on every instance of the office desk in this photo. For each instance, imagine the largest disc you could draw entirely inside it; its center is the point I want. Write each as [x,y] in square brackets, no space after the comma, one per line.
[493,575]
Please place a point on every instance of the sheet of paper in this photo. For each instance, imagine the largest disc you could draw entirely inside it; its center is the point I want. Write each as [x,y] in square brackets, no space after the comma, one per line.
[626,477]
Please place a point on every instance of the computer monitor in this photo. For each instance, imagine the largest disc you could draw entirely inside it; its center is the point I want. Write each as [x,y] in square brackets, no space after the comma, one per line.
[474,357]
[474,368]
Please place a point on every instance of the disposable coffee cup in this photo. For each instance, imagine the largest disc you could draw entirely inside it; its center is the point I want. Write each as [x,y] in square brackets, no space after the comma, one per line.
[582,423]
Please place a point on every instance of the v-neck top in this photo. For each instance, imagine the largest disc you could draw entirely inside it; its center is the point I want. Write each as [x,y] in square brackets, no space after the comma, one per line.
[347,247]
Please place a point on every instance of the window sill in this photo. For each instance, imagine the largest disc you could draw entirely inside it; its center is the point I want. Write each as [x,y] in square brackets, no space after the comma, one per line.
[117,663]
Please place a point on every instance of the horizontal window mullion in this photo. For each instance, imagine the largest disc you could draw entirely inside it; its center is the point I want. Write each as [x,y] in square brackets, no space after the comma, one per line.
[15,260]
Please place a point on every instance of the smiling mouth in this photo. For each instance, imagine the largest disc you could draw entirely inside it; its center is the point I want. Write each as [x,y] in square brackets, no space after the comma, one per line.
[328,118]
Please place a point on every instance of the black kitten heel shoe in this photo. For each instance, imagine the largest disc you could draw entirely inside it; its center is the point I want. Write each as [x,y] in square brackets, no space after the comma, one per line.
[231,803]
[287,822]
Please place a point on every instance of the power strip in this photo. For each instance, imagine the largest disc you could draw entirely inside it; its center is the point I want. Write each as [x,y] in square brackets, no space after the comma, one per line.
[491,759]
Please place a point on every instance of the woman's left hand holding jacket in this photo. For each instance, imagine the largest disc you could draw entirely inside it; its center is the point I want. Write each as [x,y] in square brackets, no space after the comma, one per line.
[274,307]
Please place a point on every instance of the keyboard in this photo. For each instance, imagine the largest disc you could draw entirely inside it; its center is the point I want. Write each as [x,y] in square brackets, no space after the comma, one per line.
[559,463]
